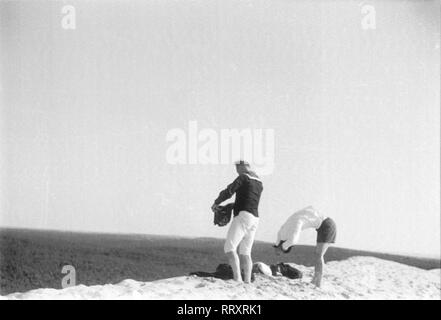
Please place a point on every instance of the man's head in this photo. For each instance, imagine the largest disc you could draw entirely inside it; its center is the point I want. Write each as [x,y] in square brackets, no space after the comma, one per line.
[242,167]
[278,249]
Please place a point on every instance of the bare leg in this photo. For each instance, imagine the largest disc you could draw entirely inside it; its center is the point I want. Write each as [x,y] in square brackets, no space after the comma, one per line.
[233,259]
[320,251]
[247,265]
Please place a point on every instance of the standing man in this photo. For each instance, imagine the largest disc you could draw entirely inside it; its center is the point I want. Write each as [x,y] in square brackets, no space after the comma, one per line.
[289,235]
[248,188]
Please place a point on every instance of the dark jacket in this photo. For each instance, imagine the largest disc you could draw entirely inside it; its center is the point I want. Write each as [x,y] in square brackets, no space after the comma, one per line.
[248,189]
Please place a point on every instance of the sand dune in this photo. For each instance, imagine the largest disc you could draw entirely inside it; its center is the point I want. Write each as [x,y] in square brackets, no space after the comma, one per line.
[354,278]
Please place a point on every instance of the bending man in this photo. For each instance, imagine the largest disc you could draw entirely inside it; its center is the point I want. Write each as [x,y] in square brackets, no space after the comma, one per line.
[289,235]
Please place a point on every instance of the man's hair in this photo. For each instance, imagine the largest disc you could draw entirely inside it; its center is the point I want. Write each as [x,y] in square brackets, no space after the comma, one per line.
[279,246]
[242,163]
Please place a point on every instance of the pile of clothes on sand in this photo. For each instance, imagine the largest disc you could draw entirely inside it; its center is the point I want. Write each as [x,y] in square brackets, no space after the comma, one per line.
[225,272]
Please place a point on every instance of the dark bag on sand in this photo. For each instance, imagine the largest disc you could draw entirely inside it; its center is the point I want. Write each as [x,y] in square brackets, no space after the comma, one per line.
[222,214]
[223,271]
[290,272]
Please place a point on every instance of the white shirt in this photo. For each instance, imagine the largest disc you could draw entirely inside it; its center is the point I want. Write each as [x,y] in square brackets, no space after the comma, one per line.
[298,221]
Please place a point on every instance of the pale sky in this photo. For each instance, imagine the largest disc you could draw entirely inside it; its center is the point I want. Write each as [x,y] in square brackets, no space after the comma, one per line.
[355,114]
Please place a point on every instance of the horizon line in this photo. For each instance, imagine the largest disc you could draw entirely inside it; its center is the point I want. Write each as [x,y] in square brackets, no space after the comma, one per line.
[403,254]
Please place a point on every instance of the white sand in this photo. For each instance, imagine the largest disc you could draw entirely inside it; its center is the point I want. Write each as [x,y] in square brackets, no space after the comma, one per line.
[355,278]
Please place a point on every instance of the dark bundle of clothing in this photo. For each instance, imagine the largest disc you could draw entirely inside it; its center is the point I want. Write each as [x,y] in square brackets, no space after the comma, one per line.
[225,272]
[286,270]
[222,214]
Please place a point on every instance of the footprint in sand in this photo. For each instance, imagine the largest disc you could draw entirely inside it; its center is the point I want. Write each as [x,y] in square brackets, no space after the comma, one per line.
[345,295]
